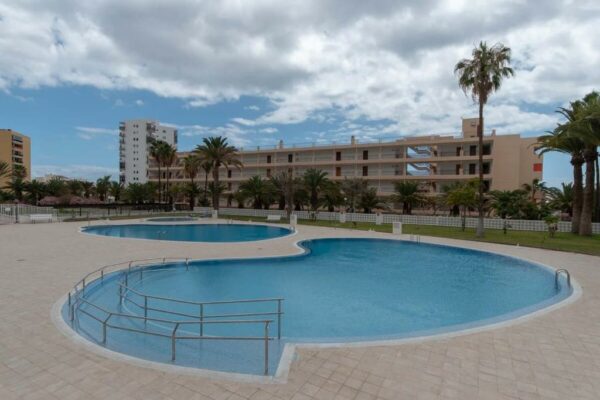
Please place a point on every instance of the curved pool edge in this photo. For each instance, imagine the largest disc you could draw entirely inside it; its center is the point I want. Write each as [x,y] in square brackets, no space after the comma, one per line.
[292,231]
[289,352]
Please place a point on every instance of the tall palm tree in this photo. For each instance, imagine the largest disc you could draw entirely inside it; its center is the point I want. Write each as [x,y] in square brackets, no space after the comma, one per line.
[115,189]
[169,160]
[587,128]
[218,152]
[102,187]
[191,167]
[207,168]
[353,189]
[36,190]
[563,139]
[481,76]
[315,180]
[408,194]
[158,150]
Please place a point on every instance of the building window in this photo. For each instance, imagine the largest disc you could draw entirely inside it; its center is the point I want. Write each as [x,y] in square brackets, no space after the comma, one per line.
[269,159]
[229,173]
[457,169]
[338,171]
[486,186]
[487,149]
[458,151]
[290,158]
[486,168]
[365,154]
[228,185]
[473,150]
[338,156]
[365,171]
[268,172]
[471,169]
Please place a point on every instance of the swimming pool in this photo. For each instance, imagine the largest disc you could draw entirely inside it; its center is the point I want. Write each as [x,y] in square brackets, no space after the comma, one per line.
[191,232]
[172,219]
[339,290]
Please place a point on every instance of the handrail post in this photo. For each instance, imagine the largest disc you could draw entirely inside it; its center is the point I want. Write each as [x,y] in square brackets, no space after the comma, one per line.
[278,318]
[104,328]
[267,347]
[83,287]
[201,319]
[145,309]
[187,264]
[102,275]
[173,341]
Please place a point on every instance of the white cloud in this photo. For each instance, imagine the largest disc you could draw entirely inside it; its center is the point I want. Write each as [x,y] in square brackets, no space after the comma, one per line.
[89,133]
[385,60]
[139,103]
[269,130]
[89,172]
[252,108]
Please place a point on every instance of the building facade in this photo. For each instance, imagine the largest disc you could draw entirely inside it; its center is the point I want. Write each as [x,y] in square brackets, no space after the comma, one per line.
[433,161]
[135,139]
[15,149]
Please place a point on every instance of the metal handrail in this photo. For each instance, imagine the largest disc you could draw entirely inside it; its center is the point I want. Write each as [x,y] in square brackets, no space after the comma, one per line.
[558,272]
[77,297]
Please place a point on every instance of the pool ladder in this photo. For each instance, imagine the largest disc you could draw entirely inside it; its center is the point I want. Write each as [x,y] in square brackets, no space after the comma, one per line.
[557,274]
[415,238]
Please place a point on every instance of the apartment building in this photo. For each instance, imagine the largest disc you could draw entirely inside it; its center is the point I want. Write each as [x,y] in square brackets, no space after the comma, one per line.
[135,139]
[15,149]
[433,161]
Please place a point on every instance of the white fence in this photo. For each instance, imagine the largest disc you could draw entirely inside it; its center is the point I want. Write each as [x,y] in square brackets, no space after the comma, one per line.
[10,213]
[490,223]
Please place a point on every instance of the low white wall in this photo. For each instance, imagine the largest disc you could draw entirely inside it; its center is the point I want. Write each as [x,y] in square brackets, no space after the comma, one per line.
[491,223]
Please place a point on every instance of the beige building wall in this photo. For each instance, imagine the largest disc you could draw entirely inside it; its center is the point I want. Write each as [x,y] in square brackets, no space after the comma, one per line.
[15,149]
[434,161]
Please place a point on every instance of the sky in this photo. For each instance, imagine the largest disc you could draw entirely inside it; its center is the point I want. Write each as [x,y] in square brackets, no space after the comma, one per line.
[310,71]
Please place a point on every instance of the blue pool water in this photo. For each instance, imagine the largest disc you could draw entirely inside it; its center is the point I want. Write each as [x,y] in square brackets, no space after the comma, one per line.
[339,290]
[191,232]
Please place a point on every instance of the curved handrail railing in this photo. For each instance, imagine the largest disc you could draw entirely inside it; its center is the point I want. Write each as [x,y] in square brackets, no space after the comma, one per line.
[76,297]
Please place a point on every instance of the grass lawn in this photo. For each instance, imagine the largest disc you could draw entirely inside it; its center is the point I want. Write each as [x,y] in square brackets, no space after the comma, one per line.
[561,241]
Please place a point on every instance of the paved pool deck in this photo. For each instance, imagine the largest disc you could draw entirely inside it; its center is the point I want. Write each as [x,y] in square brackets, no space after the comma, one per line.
[552,356]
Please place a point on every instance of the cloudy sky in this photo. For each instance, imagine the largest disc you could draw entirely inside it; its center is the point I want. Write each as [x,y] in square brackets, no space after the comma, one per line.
[259,71]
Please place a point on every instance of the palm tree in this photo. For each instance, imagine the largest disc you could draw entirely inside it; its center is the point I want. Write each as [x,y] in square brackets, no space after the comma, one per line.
[218,152]
[88,189]
[158,150]
[536,186]
[482,75]
[207,168]
[4,170]
[315,180]
[332,196]
[587,128]
[102,187]
[564,140]
[352,189]
[408,194]
[36,190]
[216,190]
[509,203]
[257,190]
[115,189]
[191,166]
[463,196]
[562,198]
[169,160]
[286,187]
[369,200]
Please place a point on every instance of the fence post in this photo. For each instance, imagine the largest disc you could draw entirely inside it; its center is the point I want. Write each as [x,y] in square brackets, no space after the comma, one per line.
[266,347]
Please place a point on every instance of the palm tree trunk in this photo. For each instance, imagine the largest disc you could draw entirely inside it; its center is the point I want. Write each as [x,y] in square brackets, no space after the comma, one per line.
[479,232]
[159,184]
[597,190]
[215,196]
[168,193]
[205,186]
[585,226]
[577,162]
